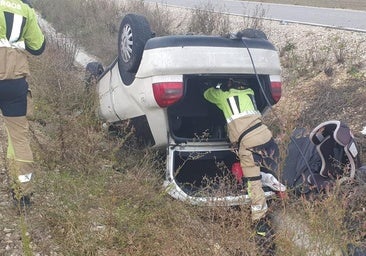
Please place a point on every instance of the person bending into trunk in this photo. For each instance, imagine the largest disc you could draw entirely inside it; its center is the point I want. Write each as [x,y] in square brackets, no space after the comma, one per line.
[256,146]
[19,33]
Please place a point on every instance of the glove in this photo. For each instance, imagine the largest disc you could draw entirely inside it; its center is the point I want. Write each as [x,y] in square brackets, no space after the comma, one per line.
[268,180]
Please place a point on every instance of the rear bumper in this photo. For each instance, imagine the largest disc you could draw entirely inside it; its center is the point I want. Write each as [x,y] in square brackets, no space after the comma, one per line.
[201,174]
[176,192]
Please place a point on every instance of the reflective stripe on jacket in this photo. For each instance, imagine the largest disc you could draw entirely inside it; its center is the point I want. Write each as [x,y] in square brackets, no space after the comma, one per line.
[240,111]
[19,31]
[233,103]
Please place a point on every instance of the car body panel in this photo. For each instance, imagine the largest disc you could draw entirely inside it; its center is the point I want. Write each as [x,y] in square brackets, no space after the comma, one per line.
[115,101]
[184,58]
[196,60]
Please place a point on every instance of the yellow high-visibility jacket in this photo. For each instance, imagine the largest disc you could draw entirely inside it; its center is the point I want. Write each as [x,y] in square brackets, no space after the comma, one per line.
[19,32]
[241,113]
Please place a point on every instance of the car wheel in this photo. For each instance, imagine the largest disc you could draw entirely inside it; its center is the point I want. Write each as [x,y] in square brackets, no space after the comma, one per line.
[253,33]
[92,71]
[127,77]
[133,33]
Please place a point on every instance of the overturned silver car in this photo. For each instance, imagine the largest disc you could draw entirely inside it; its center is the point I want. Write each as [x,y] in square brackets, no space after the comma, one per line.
[157,84]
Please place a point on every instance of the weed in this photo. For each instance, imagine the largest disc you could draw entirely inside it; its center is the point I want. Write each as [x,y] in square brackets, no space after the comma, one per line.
[84,21]
[84,195]
[254,19]
[205,20]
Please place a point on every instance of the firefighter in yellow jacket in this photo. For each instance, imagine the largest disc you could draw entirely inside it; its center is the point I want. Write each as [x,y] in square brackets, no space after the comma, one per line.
[256,145]
[19,34]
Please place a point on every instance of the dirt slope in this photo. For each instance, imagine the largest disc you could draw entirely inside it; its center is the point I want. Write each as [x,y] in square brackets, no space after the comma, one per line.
[309,94]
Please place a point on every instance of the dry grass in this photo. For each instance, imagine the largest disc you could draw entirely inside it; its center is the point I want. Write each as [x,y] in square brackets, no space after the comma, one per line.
[100,195]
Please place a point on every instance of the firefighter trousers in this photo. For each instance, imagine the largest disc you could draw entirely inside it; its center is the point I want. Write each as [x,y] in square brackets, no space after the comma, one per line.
[19,155]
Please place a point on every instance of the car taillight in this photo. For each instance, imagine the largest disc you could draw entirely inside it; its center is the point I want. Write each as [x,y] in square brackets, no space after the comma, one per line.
[167,93]
[276,91]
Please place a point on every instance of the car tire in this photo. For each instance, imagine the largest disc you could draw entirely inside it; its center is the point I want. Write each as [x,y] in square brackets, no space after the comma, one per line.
[253,33]
[127,77]
[133,33]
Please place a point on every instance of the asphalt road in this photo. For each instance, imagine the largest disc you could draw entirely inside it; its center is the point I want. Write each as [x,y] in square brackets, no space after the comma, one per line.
[335,18]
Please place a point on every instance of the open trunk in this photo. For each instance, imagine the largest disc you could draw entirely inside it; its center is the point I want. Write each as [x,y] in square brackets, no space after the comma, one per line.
[195,119]
[200,156]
